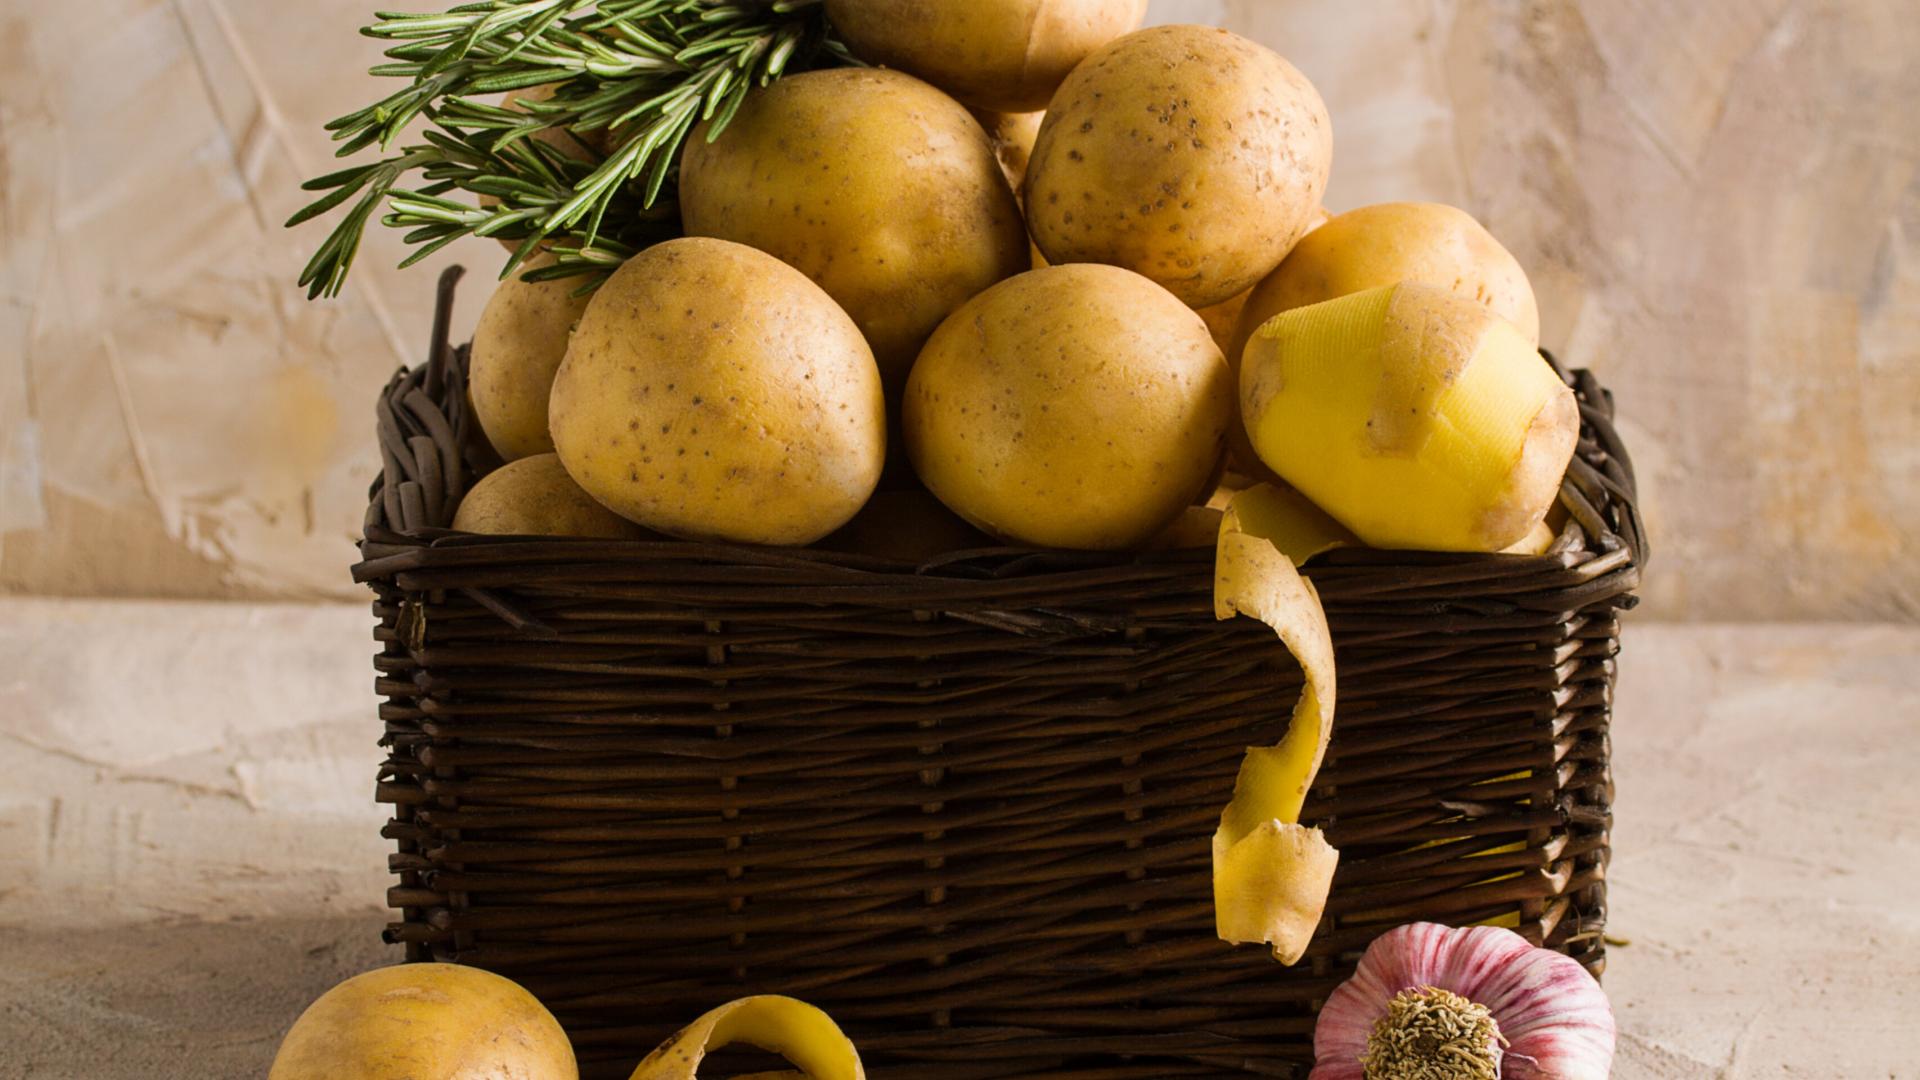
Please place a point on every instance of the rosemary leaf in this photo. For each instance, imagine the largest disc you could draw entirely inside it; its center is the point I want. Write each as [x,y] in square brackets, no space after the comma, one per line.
[646,70]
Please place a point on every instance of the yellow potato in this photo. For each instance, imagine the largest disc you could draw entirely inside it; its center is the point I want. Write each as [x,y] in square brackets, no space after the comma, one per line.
[1013,135]
[1005,55]
[712,392]
[517,347]
[1185,153]
[1078,406]
[880,188]
[907,524]
[1385,244]
[534,496]
[1222,317]
[412,1021]
[1415,417]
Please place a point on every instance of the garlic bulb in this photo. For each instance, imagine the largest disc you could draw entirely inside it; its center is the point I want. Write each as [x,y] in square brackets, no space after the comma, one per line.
[1430,1002]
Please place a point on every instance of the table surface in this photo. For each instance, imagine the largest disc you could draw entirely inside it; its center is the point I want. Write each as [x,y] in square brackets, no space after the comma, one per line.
[1763,888]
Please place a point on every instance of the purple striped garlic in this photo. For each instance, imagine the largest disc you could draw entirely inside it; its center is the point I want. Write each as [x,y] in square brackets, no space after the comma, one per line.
[1431,1002]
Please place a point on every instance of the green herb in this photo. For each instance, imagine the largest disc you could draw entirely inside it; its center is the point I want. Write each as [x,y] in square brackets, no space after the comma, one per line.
[645,71]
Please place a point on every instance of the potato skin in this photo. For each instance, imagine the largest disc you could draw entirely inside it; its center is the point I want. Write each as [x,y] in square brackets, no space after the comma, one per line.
[446,1021]
[1185,153]
[534,496]
[1078,406]
[713,392]
[1004,55]
[1387,243]
[517,346]
[880,188]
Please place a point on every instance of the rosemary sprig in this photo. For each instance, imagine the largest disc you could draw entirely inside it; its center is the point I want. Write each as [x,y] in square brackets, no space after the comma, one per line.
[634,76]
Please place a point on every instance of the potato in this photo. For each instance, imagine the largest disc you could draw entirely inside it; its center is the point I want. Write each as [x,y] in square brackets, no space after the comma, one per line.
[1223,317]
[1414,416]
[445,1021]
[517,347]
[1185,153]
[534,496]
[712,392]
[1013,135]
[1004,55]
[875,185]
[1389,243]
[1079,406]
[909,525]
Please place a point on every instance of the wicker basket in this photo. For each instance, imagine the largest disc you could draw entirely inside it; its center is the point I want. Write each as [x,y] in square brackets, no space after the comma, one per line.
[965,806]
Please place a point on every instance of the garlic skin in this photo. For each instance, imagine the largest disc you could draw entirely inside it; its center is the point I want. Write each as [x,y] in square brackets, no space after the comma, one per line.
[1553,1016]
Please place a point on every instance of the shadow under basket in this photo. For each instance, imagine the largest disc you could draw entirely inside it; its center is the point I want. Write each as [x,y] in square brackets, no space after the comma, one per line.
[965,806]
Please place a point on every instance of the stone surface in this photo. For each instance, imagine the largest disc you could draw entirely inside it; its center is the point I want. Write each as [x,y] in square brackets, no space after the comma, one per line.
[1766,851]
[1718,202]
[173,760]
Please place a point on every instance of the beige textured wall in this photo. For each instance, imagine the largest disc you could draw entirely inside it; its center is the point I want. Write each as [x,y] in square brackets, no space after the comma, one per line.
[1718,201]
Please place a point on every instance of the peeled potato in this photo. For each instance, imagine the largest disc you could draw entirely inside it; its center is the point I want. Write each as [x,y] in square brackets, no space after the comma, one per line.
[1078,406]
[1005,55]
[535,497]
[880,188]
[517,347]
[1415,417]
[1188,154]
[712,392]
[410,1021]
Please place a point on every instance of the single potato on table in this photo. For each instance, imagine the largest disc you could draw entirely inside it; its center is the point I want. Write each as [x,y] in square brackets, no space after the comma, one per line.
[880,188]
[1004,55]
[1185,153]
[517,347]
[1078,406]
[413,1021]
[534,496]
[712,392]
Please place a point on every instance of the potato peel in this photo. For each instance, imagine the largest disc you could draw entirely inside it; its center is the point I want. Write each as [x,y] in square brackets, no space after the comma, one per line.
[1271,875]
[797,1031]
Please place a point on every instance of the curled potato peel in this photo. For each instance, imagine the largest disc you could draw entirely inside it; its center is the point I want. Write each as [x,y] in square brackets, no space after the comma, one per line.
[1271,875]
[803,1034]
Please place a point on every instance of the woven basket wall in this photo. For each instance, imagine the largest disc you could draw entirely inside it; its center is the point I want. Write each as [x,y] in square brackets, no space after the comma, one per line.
[965,806]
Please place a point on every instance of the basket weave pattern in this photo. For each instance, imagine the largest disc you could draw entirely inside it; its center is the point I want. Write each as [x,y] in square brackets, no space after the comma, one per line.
[965,807]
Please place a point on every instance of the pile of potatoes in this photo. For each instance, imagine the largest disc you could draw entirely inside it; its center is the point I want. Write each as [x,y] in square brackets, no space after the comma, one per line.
[913,312]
